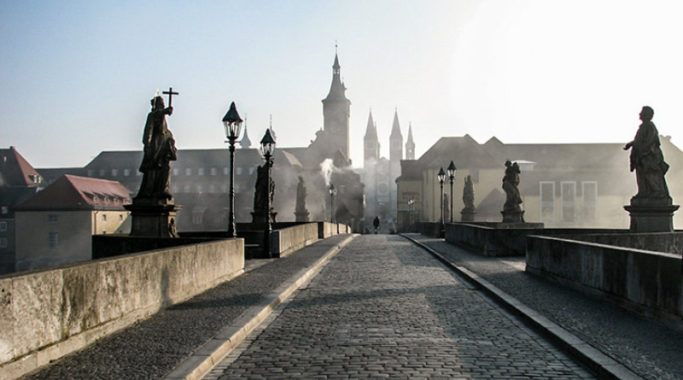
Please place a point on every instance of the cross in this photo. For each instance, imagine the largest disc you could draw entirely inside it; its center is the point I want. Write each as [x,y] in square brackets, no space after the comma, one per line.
[170,94]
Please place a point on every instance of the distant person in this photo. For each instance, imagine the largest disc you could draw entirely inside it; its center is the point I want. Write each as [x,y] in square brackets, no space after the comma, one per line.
[375,223]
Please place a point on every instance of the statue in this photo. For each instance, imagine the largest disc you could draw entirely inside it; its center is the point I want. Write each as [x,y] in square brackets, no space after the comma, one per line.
[300,211]
[647,160]
[467,213]
[263,190]
[512,212]
[159,150]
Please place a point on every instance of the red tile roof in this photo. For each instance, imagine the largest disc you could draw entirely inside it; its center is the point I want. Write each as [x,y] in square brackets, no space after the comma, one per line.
[15,170]
[72,192]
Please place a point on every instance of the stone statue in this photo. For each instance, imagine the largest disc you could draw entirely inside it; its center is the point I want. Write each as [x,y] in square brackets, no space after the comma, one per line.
[300,211]
[647,160]
[262,190]
[159,151]
[468,195]
[510,185]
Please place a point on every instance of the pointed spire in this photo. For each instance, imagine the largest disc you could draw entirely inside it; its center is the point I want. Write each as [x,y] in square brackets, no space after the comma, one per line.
[245,143]
[395,127]
[371,129]
[410,132]
[337,88]
[410,144]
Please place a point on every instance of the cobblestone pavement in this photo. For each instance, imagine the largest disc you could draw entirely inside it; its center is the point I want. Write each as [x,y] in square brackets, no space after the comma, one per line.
[151,348]
[385,308]
[648,348]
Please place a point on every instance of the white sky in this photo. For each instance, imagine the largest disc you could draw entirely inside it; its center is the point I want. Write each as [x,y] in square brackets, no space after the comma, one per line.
[76,77]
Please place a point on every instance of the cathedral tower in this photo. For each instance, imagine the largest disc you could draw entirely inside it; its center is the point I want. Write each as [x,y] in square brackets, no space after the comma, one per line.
[336,111]
[410,144]
[395,141]
[371,145]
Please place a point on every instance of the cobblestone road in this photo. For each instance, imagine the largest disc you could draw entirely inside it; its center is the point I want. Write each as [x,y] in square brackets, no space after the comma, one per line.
[385,308]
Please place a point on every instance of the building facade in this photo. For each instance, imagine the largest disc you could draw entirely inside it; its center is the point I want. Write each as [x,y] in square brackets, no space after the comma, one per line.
[56,225]
[562,185]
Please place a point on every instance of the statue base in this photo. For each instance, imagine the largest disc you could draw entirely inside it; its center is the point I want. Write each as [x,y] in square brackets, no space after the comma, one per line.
[651,215]
[467,216]
[301,216]
[513,216]
[260,217]
[152,220]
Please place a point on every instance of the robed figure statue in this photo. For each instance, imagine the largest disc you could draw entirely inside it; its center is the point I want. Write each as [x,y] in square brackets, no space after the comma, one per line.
[510,184]
[159,151]
[647,160]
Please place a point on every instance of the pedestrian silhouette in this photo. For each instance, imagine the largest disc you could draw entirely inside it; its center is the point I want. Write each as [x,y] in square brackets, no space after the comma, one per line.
[376,224]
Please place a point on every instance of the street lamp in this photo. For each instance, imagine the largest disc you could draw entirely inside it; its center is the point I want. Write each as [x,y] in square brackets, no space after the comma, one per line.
[232,123]
[451,176]
[267,148]
[442,178]
[332,193]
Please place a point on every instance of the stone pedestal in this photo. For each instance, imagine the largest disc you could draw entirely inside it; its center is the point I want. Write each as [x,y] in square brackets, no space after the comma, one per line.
[467,215]
[153,220]
[513,216]
[651,215]
[301,216]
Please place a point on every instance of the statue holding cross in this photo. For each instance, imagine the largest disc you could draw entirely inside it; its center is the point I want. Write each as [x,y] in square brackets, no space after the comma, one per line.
[159,151]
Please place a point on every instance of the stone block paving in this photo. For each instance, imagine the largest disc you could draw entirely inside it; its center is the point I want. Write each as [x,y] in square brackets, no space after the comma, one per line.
[648,348]
[385,308]
[152,348]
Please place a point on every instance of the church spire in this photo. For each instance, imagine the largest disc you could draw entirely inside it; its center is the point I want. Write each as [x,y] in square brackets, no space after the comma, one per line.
[337,88]
[395,140]
[396,128]
[371,142]
[410,144]
[245,143]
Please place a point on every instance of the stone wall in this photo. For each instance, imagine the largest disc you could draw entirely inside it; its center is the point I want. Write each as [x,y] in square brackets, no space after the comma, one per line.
[644,281]
[653,241]
[47,314]
[287,240]
[492,239]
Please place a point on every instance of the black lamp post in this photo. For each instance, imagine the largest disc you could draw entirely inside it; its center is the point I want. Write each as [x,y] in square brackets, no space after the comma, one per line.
[267,148]
[411,210]
[332,193]
[451,177]
[442,178]
[232,123]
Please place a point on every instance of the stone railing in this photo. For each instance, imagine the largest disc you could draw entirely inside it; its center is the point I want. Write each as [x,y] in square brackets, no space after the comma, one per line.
[644,281]
[47,314]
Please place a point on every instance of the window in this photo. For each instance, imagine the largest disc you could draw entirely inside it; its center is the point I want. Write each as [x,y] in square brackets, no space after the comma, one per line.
[114,172]
[251,170]
[91,172]
[52,218]
[176,171]
[104,217]
[212,188]
[213,171]
[3,242]
[188,171]
[239,170]
[174,188]
[197,215]
[3,226]
[590,200]
[224,188]
[4,210]
[186,188]
[547,197]
[200,188]
[126,172]
[52,239]
[102,171]
[200,171]
[568,201]
[225,171]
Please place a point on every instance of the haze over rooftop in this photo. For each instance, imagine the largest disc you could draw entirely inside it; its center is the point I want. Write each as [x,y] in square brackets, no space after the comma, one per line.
[77,76]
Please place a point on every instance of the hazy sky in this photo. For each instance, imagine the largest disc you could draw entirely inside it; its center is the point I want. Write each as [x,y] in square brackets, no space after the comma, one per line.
[76,77]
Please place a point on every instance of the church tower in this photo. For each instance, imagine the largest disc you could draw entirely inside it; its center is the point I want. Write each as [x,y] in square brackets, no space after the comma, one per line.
[395,141]
[410,144]
[336,111]
[371,146]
